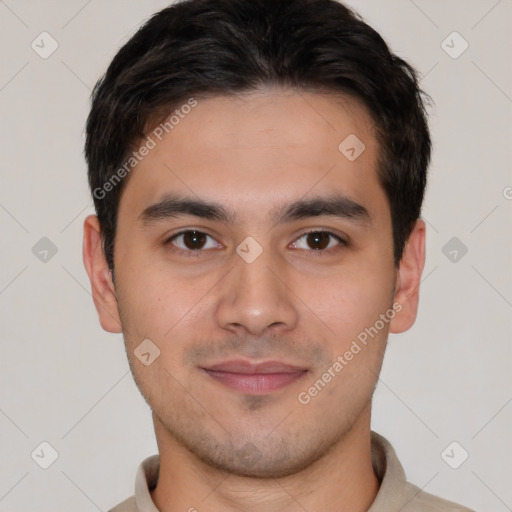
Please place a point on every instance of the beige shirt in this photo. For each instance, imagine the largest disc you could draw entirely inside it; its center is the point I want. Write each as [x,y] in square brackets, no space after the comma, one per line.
[395,493]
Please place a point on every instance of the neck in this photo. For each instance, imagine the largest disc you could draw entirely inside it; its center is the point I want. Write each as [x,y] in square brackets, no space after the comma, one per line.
[344,477]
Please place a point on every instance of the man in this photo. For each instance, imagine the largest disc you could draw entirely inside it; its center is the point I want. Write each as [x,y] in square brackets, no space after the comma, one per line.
[258,169]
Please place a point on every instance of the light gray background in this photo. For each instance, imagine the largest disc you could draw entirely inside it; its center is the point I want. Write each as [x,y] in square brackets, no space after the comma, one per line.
[66,382]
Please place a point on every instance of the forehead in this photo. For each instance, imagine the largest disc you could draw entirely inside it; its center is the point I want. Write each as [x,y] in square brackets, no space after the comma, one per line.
[255,151]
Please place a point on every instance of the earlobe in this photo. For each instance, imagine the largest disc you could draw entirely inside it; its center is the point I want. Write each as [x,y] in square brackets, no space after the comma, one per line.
[408,279]
[102,287]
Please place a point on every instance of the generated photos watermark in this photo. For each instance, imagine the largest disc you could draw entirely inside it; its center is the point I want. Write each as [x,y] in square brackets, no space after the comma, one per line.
[150,143]
[305,397]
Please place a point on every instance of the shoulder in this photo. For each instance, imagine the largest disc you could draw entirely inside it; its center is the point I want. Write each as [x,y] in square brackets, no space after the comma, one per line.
[128,505]
[417,500]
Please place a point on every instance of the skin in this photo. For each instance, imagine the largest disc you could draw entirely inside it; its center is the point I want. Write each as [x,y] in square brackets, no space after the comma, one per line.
[294,303]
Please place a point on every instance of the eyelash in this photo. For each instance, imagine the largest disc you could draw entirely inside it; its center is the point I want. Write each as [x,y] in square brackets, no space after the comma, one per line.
[310,253]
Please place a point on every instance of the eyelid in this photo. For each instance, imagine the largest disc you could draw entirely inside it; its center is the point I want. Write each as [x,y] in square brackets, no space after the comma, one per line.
[341,239]
[187,252]
[202,231]
[329,231]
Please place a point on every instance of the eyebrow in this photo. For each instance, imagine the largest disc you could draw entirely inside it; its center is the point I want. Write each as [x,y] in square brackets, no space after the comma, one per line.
[172,206]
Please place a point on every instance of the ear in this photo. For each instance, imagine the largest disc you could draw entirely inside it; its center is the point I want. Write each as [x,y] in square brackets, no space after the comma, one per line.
[408,279]
[100,276]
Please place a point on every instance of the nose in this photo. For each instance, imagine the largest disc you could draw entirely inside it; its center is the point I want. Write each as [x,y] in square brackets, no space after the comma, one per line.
[256,297]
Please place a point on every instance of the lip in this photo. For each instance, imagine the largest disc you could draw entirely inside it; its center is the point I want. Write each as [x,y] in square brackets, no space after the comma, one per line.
[255,378]
[248,367]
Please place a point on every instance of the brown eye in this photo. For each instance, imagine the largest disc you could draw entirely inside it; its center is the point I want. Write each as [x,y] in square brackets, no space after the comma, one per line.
[318,241]
[192,240]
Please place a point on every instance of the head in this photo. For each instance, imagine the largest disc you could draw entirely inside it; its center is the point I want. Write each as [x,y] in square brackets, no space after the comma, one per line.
[258,169]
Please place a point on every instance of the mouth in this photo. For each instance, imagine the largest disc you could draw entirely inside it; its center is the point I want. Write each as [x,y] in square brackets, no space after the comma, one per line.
[255,378]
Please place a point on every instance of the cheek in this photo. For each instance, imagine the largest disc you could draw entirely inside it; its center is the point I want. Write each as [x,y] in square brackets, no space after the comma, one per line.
[144,298]
[348,302]
[351,307]
[161,305]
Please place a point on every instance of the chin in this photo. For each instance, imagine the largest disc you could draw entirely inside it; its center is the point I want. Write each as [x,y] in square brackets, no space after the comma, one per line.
[260,459]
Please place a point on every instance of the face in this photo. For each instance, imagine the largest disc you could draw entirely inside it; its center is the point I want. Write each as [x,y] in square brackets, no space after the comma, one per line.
[254,253]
